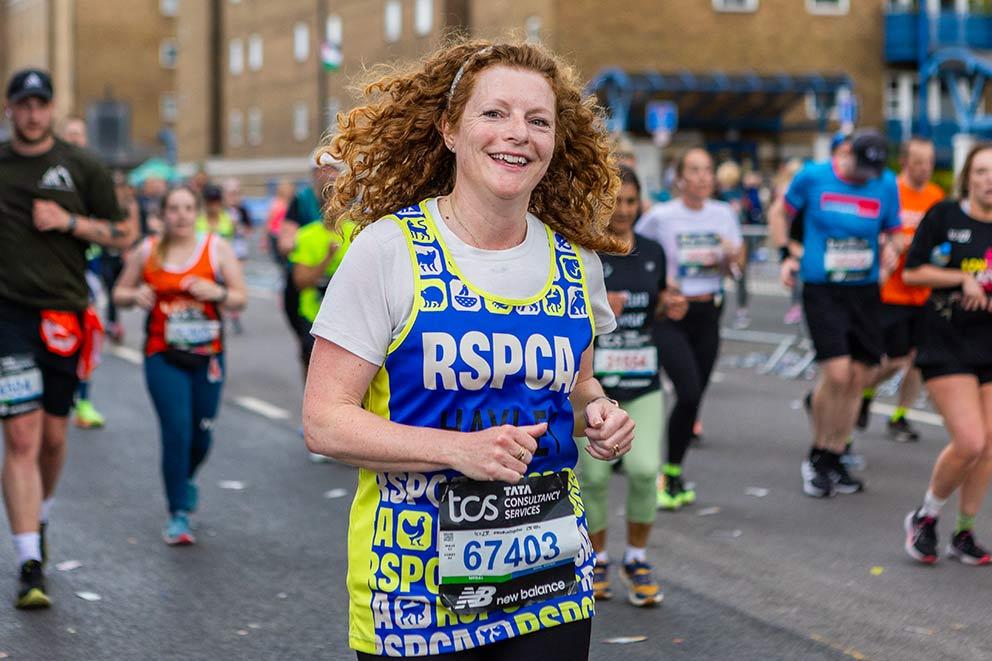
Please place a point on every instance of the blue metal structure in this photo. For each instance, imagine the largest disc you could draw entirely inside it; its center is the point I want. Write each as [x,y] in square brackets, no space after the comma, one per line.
[717,101]
[942,45]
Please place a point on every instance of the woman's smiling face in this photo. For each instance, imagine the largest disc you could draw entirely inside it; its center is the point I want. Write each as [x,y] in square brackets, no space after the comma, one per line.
[505,138]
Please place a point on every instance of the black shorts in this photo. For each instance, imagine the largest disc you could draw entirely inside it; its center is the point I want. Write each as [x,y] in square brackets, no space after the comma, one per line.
[844,320]
[902,328]
[22,351]
[981,372]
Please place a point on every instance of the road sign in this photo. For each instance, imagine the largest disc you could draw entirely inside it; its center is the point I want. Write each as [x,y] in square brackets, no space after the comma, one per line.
[661,118]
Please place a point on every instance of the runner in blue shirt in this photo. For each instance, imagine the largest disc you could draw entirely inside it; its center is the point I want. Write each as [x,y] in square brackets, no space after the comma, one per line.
[851,224]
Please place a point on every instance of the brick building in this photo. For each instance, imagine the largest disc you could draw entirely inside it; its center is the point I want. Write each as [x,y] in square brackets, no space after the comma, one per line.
[268,100]
[112,61]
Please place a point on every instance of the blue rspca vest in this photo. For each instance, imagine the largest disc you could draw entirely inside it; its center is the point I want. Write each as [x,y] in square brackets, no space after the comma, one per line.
[466,360]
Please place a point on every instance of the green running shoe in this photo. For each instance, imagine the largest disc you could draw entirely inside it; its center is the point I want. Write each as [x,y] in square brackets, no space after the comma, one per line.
[88,417]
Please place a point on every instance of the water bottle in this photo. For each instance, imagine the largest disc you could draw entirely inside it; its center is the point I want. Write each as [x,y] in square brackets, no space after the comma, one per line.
[941,255]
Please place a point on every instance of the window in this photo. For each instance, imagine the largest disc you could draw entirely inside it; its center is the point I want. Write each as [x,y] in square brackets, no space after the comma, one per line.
[301,121]
[168,109]
[235,129]
[533,27]
[333,30]
[168,7]
[735,5]
[830,99]
[254,126]
[900,95]
[301,42]
[828,7]
[255,52]
[168,53]
[235,57]
[394,20]
[423,17]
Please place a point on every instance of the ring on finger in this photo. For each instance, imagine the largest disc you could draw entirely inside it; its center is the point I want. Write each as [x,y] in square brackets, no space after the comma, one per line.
[616,450]
[521,454]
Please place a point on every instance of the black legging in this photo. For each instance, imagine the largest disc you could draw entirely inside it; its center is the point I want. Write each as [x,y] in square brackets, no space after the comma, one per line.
[687,350]
[565,641]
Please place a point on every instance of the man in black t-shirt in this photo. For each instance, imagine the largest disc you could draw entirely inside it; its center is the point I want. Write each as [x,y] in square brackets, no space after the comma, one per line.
[55,199]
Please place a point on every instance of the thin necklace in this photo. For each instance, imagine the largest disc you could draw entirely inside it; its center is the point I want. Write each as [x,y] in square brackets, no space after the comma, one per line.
[458,220]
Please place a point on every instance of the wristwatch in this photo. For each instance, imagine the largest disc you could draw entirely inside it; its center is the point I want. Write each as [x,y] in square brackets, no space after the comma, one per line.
[71,226]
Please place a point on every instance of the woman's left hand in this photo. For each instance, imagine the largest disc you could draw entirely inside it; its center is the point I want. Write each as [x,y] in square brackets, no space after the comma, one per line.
[202,289]
[609,429]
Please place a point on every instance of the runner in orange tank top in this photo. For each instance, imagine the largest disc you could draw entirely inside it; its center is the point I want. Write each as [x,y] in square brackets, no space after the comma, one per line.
[902,305]
[183,280]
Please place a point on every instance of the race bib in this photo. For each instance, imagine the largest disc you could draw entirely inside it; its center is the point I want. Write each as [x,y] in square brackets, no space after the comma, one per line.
[185,332]
[505,545]
[699,255]
[641,361]
[848,259]
[21,385]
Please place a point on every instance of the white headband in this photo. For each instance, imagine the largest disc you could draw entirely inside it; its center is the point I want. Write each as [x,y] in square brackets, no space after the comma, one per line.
[461,70]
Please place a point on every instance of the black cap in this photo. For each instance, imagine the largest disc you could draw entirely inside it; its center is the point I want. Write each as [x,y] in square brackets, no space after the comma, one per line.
[212,193]
[871,152]
[29,82]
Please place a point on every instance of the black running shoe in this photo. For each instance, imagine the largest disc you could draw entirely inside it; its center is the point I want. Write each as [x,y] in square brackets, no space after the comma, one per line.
[921,537]
[43,541]
[32,594]
[964,548]
[862,422]
[843,482]
[816,479]
[901,431]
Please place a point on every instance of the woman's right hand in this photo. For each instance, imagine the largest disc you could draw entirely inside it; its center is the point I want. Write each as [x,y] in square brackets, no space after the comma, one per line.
[497,454]
[144,297]
[974,295]
[675,304]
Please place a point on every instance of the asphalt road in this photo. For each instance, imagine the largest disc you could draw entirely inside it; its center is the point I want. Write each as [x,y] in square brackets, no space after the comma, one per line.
[774,575]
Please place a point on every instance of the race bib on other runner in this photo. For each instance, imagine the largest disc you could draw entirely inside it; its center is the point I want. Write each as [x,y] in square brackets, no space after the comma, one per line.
[641,361]
[21,385]
[505,545]
[848,259]
[190,328]
[699,255]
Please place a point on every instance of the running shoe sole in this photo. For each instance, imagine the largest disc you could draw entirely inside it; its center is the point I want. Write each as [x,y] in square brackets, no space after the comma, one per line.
[33,599]
[910,549]
[903,437]
[184,539]
[967,559]
[634,600]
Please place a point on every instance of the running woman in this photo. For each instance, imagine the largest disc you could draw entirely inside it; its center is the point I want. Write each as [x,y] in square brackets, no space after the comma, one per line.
[315,259]
[626,364]
[902,305]
[850,208]
[952,253]
[702,241]
[183,278]
[55,200]
[454,344]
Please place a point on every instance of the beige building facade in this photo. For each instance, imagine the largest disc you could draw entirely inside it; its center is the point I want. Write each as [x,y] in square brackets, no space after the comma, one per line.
[285,69]
[104,55]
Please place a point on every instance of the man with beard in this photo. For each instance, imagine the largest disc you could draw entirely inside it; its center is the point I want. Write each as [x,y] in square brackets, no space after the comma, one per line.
[55,200]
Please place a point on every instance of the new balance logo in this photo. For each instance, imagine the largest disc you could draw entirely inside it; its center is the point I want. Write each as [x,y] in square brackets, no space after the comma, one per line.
[479,597]
[57,178]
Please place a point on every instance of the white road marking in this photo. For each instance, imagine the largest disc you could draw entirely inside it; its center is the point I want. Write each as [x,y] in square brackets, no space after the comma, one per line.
[925,417]
[262,408]
[127,354]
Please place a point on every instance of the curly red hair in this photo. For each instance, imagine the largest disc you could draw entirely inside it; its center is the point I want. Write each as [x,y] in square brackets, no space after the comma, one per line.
[394,153]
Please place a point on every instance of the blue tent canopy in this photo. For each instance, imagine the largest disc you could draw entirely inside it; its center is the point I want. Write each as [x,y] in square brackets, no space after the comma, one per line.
[716,100]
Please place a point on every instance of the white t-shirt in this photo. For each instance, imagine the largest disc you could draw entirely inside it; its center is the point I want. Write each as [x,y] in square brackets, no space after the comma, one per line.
[370,297]
[692,239]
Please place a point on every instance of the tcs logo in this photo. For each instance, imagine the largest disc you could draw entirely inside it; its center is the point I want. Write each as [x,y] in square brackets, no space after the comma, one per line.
[472,508]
